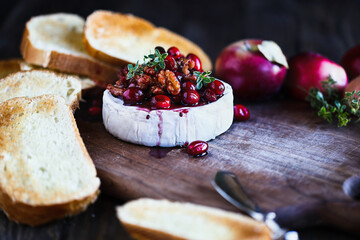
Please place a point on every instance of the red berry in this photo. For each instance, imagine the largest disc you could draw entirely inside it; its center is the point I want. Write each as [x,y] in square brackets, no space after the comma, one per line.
[241,112]
[188,86]
[190,97]
[160,49]
[196,59]
[133,95]
[197,148]
[217,86]
[209,95]
[94,111]
[174,52]
[170,63]
[160,102]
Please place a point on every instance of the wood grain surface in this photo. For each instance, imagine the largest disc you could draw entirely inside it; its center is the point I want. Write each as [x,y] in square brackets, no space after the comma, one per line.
[283,155]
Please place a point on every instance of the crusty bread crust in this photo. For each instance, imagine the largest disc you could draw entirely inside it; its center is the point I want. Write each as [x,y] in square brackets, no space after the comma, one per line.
[101,73]
[9,66]
[142,233]
[37,214]
[137,27]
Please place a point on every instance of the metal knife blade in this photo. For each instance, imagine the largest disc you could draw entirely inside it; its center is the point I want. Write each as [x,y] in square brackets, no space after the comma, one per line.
[229,187]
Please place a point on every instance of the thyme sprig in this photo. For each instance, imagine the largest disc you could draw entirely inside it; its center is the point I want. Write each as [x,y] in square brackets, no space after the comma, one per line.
[155,60]
[330,105]
[134,70]
[203,78]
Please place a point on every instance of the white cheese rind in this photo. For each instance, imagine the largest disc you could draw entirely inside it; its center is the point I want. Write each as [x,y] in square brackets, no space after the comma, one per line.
[167,128]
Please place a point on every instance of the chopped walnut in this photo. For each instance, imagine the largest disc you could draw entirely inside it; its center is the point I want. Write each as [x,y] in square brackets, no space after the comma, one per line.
[149,71]
[156,90]
[162,78]
[115,91]
[191,78]
[189,64]
[172,83]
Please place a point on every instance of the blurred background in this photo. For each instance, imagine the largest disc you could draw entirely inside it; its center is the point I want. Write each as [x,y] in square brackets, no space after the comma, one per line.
[326,27]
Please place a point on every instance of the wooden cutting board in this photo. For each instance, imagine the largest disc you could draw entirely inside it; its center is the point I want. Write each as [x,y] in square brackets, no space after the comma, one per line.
[283,155]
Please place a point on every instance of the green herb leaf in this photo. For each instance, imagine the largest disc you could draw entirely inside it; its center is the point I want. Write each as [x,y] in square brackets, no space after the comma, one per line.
[133,70]
[330,105]
[155,60]
[203,79]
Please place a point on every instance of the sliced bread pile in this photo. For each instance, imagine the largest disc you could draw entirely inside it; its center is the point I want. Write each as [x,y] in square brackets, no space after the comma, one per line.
[95,49]
[162,219]
[45,170]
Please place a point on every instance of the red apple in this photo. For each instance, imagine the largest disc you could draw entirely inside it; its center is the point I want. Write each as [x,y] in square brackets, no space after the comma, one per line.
[309,70]
[254,68]
[351,62]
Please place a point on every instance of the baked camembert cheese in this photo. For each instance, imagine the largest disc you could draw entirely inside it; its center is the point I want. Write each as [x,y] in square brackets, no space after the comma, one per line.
[167,101]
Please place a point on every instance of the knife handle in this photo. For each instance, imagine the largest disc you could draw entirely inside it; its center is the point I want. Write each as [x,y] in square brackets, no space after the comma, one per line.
[344,215]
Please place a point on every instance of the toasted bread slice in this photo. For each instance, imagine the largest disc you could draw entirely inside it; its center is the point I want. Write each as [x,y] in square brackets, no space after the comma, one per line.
[86,83]
[123,38]
[45,170]
[9,66]
[162,219]
[55,41]
[39,82]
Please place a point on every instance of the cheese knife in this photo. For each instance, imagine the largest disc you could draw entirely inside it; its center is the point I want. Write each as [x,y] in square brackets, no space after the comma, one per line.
[344,215]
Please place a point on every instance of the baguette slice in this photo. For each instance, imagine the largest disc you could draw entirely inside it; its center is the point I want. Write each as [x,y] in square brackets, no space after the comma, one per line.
[55,41]
[45,170]
[162,219]
[86,83]
[9,66]
[123,38]
[39,82]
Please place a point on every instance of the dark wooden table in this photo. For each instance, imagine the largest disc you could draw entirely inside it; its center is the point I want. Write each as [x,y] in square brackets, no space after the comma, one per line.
[327,27]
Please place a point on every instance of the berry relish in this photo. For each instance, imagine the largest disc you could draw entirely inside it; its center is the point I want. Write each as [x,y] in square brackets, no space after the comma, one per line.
[166,80]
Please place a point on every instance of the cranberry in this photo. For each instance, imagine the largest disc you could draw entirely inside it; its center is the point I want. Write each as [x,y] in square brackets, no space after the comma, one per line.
[170,63]
[217,86]
[190,97]
[197,148]
[160,102]
[133,95]
[188,86]
[196,59]
[174,52]
[209,95]
[160,49]
[241,112]
[94,111]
